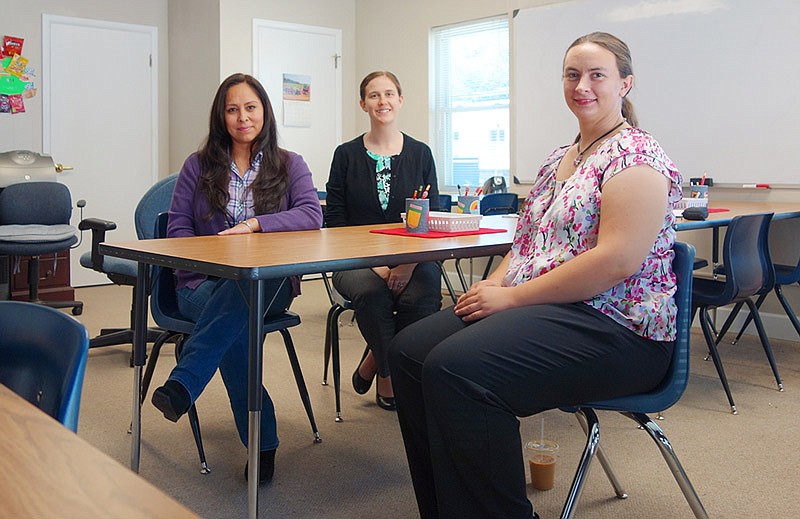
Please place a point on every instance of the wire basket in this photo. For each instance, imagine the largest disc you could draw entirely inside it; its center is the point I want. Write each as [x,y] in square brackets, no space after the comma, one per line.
[451,222]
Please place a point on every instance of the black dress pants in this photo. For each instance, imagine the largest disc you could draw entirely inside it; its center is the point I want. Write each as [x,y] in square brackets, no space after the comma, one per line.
[381,314]
[460,387]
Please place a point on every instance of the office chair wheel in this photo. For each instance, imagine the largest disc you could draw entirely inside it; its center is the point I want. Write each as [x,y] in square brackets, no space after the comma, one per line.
[77,310]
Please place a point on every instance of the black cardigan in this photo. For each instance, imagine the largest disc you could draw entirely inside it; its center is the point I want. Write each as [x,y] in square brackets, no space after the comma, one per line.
[352,191]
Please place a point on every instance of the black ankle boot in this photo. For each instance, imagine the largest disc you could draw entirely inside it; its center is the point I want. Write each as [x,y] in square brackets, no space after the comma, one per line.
[266,466]
[172,399]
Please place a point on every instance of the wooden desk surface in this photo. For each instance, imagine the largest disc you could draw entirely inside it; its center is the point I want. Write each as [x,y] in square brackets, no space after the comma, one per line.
[260,255]
[48,471]
[781,209]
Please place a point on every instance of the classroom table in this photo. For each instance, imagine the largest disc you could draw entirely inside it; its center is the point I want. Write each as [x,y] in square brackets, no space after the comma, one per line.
[261,256]
[719,219]
[46,470]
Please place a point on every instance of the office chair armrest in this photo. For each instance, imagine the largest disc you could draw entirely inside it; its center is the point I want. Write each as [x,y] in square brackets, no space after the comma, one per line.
[99,228]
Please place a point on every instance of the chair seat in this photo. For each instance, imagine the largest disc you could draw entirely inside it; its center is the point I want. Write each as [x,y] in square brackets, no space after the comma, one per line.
[709,292]
[36,233]
[23,248]
[112,265]
[786,274]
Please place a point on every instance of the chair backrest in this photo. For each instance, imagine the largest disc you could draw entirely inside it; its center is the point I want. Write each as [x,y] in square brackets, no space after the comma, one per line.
[43,203]
[43,355]
[156,200]
[445,203]
[746,258]
[499,203]
[674,383]
[163,300]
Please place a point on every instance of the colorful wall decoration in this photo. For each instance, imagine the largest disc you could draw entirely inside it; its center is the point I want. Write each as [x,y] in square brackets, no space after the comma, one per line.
[16,77]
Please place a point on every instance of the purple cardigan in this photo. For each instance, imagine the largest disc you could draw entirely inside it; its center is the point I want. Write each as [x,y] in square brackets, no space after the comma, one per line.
[300,210]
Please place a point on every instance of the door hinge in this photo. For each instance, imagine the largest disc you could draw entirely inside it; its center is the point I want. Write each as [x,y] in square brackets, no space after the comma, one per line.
[151,61]
[336,58]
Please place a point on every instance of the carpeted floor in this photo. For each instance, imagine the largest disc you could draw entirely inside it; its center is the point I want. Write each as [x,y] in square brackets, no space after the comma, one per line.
[741,465]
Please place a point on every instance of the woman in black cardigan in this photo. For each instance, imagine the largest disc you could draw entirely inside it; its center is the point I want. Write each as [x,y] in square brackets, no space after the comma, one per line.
[370,178]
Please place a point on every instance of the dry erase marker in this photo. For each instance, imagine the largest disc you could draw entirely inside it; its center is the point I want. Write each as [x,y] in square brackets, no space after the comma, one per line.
[425,193]
[755,186]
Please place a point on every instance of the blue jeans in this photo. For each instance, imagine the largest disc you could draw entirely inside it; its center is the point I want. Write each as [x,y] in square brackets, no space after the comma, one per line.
[221,340]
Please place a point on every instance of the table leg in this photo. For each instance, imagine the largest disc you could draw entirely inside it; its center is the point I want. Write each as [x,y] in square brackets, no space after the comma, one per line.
[139,353]
[256,334]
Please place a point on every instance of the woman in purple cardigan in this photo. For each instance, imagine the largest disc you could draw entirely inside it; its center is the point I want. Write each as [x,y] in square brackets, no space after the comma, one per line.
[239,182]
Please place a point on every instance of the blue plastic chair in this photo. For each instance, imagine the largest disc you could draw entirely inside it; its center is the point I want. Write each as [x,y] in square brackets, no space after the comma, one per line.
[499,203]
[636,407]
[445,203]
[165,312]
[785,275]
[123,271]
[43,355]
[747,270]
[491,204]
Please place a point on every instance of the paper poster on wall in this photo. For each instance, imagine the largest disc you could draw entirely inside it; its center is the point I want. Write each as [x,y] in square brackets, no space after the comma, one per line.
[16,77]
[297,100]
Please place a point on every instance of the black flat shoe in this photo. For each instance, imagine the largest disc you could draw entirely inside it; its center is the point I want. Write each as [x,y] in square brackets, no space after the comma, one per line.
[172,399]
[385,402]
[266,466]
[361,385]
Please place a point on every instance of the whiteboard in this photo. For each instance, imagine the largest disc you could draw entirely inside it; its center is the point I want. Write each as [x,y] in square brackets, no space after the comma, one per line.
[717,82]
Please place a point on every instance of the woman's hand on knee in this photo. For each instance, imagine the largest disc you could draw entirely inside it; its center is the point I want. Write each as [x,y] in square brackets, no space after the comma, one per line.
[483,299]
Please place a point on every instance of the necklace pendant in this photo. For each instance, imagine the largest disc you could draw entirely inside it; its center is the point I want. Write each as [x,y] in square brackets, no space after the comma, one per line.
[577,160]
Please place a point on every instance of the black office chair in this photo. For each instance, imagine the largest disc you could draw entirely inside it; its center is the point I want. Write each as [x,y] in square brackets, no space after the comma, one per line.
[122,271]
[747,271]
[636,407]
[164,309]
[43,356]
[34,221]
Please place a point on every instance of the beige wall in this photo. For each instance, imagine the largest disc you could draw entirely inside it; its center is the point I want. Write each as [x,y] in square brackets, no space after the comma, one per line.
[211,39]
[194,74]
[24,19]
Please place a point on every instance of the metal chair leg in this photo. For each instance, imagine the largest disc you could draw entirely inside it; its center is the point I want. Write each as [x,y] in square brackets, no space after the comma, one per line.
[301,384]
[592,439]
[604,461]
[712,350]
[787,307]
[675,467]
[762,334]
[194,422]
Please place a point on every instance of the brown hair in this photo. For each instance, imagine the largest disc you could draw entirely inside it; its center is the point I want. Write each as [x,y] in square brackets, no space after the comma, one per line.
[622,54]
[362,90]
[270,185]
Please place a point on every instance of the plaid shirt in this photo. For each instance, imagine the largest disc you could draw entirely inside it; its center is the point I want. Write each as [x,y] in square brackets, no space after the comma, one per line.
[240,202]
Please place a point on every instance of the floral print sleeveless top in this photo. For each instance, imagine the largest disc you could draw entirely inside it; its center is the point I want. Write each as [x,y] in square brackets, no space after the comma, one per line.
[558,224]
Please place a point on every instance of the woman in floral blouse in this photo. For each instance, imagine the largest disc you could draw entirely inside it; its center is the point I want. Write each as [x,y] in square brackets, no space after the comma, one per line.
[580,309]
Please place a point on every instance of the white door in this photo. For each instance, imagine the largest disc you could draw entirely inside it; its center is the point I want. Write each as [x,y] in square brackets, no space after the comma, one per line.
[311,128]
[99,98]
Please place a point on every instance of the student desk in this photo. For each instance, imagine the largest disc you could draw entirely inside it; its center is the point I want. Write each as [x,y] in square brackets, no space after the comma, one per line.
[46,470]
[261,256]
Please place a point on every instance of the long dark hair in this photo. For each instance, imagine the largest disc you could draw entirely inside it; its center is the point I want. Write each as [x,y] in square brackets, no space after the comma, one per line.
[622,54]
[216,154]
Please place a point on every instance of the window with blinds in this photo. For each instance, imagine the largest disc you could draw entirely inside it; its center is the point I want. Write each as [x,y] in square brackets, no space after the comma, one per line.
[469,109]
